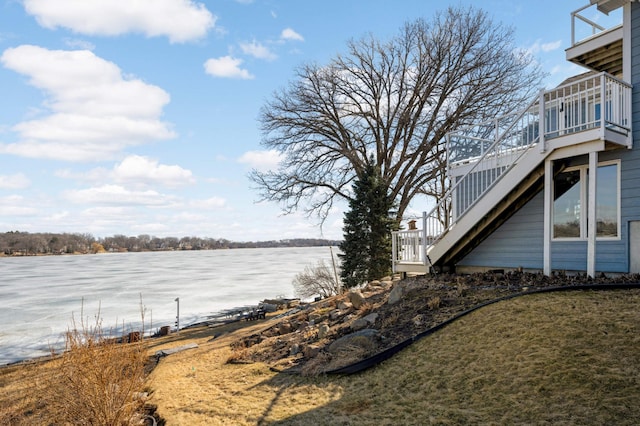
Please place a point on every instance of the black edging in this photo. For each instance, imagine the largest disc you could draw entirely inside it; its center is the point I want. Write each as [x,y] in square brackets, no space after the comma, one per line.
[388,353]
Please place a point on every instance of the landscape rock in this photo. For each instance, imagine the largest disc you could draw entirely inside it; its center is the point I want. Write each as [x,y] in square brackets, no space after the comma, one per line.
[315,318]
[344,306]
[362,338]
[285,328]
[371,318]
[364,322]
[356,299]
[335,314]
[269,307]
[323,329]
[395,295]
[295,349]
[359,324]
[311,351]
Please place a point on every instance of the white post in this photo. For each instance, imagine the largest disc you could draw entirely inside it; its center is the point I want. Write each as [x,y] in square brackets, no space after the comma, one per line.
[591,215]
[541,123]
[604,101]
[177,314]
[424,239]
[548,222]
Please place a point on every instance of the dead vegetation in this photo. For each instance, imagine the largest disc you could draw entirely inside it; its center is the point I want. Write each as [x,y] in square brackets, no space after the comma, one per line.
[304,341]
[558,358]
[96,380]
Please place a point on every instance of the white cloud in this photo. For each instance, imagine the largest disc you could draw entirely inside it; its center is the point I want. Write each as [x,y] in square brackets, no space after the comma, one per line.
[75,43]
[538,47]
[261,160]
[14,205]
[118,195]
[94,110]
[258,50]
[209,203]
[16,181]
[138,169]
[227,67]
[290,34]
[179,20]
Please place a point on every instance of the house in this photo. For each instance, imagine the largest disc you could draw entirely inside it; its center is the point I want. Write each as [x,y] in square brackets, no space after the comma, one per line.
[554,187]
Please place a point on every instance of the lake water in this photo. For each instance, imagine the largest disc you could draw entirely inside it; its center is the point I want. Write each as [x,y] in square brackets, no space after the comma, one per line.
[40,297]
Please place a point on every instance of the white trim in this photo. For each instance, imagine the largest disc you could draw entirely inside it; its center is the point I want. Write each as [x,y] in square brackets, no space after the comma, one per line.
[548,222]
[626,60]
[585,197]
[592,214]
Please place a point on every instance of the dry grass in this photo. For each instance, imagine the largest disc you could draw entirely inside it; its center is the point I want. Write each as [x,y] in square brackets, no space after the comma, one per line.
[95,381]
[559,358]
[569,358]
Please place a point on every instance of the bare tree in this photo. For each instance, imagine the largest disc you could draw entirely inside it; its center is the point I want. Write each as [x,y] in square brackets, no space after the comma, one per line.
[395,101]
[318,280]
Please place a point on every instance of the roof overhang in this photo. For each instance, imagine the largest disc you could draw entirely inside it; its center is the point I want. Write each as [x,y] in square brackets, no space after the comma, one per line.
[601,52]
[606,6]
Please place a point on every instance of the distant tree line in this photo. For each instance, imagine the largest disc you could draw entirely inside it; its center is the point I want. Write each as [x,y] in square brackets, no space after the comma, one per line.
[16,243]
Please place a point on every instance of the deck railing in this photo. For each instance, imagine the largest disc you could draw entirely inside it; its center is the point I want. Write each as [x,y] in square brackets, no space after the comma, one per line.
[488,150]
[578,22]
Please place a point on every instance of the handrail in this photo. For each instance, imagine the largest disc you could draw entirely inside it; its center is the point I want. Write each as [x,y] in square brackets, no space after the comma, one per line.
[595,27]
[437,221]
[576,15]
[486,151]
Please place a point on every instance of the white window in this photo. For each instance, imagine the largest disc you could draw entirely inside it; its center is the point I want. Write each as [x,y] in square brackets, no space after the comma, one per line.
[570,200]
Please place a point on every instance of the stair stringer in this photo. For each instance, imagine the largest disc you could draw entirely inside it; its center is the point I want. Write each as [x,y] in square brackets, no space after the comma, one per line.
[500,192]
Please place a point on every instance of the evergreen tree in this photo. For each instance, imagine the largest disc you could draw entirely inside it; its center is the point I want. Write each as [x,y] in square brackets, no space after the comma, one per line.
[366,247]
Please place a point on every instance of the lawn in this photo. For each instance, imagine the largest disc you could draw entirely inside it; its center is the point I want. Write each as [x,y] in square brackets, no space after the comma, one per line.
[558,358]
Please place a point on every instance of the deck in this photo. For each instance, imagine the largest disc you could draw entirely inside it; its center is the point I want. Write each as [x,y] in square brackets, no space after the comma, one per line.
[592,108]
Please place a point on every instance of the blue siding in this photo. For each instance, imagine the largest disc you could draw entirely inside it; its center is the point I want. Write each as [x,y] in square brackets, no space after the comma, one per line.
[519,241]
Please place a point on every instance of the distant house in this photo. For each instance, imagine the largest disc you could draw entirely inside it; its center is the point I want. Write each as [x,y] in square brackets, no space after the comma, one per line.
[555,187]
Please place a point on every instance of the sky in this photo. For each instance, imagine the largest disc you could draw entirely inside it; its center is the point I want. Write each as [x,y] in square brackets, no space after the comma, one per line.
[141,116]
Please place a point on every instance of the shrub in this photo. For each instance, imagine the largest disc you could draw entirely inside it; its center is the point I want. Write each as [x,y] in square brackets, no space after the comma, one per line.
[98,381]
[318,280]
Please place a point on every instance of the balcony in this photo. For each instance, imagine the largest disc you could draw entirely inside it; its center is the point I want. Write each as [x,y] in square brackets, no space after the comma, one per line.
[595,46]
[587,108]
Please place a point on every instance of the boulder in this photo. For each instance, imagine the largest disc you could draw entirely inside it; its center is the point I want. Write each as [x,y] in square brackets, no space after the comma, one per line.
[356,299]
[362,339]
[364,322]
[323,329]
[359,324]
[285,328]
[311,351]
[395,295]
[371,318]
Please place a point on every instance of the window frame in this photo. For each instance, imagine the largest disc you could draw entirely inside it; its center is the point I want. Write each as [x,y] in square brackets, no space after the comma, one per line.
[584,197]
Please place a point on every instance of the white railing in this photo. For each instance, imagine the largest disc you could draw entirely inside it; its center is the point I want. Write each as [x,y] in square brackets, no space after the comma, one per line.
[488,150]
[595,101]
[575,16]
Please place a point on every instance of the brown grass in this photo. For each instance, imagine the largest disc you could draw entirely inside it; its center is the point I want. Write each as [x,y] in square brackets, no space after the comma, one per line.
[95,381]
[555,358]
[560,358]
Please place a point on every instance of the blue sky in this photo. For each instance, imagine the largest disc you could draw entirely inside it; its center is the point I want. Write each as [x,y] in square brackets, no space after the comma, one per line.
[140,116]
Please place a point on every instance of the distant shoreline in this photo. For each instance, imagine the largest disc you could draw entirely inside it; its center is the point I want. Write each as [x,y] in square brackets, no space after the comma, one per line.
[97,248]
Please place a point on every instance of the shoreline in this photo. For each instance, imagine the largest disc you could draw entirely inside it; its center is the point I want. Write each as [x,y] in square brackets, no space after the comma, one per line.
[218,318]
